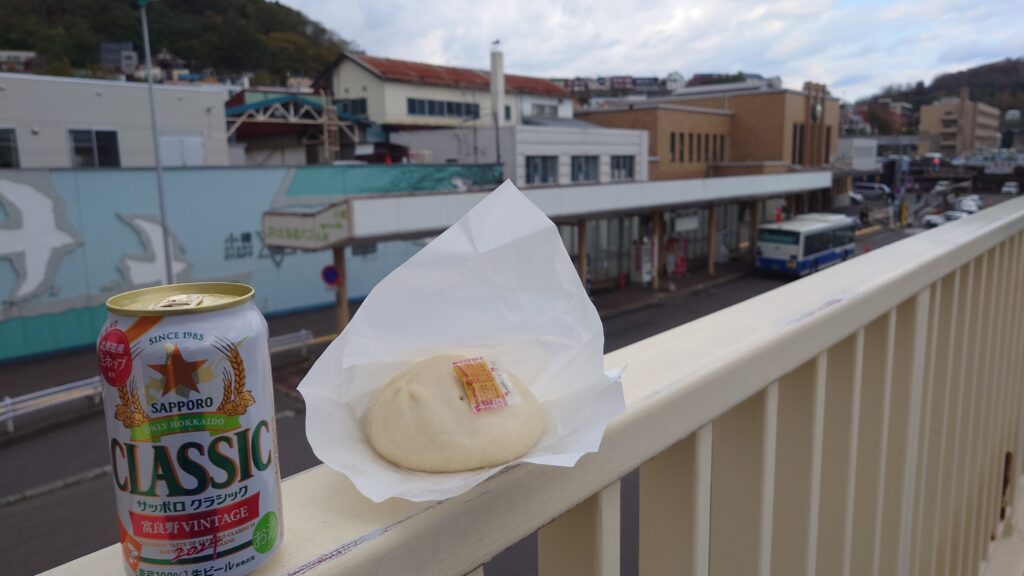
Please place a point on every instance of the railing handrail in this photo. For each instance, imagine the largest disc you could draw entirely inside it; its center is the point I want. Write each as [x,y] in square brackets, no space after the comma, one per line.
[10,408]
[675,383]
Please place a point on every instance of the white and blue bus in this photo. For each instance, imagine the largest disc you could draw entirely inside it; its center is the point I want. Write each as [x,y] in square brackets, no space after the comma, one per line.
[804,244]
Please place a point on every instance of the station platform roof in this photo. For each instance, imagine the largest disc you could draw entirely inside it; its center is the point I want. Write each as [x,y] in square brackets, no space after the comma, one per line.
[399,216]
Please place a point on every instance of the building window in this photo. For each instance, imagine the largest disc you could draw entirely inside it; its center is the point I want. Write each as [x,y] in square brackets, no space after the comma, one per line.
[622,168]
[352,106]
[584,168]
[541,169]
[682,139]
[508,113]
[94,148]
[800,147]
[420,107]
[707,152]
[828,144]
[792,147]
[714,147]
[689,147]
[544,110]
[672,145]
[698,147]
[8,148]
[721,147]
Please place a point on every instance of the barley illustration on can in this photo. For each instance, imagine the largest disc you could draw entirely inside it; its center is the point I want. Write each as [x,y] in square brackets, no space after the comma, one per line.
[190,421]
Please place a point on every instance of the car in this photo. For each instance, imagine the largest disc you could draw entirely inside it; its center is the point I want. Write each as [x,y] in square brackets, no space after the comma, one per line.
[974,198]
[951,215]
[872,189]
[933,220]
[855,197]
[941,186]
[1010,188]
[967,205]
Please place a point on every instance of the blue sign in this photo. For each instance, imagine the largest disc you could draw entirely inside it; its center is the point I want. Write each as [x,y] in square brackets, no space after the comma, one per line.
[329,275]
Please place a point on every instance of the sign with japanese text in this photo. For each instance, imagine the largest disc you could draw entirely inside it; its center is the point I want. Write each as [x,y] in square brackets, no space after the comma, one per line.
[312,230]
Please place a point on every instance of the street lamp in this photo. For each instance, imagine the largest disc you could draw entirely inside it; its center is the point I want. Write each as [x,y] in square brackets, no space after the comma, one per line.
[168,263]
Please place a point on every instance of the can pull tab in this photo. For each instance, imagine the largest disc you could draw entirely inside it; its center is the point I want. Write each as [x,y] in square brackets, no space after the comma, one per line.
[180,301]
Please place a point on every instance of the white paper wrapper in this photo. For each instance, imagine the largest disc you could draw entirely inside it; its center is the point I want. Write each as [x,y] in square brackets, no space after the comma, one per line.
[497,283]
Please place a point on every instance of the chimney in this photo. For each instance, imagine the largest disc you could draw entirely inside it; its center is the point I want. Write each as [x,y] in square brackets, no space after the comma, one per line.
[497,84]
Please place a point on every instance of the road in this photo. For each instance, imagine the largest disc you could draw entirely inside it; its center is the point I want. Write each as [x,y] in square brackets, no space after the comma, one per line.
[56,500]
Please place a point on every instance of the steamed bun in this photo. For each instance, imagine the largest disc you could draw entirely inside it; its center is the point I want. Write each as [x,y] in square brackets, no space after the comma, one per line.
[421,420]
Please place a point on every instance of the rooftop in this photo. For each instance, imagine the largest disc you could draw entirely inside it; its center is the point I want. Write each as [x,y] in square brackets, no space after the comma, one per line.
[422,73]
[634,105]
[113,83]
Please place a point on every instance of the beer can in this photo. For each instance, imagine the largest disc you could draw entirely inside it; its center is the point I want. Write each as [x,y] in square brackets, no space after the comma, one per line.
[190,422]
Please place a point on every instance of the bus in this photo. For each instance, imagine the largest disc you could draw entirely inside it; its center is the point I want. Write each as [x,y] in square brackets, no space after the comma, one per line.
[805,244]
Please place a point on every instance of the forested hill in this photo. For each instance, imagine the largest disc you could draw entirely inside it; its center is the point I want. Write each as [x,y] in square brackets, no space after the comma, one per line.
[1000,84]
[229,36]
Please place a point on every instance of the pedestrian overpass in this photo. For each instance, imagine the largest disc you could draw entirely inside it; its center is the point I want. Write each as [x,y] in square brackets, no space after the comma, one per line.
[865,420]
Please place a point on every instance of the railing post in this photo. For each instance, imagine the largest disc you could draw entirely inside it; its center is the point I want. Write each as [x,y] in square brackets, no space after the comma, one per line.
[771,426]
[702,518]
[918,342]
[890,346]
[925,481]
[852,457]
[979,534]
[970,379]
[817,447]
[798,469]
[585,540]
[935,506]
[962,333]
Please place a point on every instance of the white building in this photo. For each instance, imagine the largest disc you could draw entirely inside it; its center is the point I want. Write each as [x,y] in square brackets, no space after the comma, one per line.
[858,153]
[540,152]
[57,122]
[401,94]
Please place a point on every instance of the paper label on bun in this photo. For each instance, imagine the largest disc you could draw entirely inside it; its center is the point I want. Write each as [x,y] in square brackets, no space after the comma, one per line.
[486,385]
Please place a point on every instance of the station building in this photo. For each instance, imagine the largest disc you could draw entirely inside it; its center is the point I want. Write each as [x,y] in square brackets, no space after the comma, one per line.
[731,130]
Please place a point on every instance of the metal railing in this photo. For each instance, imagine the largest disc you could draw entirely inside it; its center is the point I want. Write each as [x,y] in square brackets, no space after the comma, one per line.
[11,408]
[857,421]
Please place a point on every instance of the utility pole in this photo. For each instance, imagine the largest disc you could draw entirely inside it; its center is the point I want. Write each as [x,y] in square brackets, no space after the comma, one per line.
[168,263]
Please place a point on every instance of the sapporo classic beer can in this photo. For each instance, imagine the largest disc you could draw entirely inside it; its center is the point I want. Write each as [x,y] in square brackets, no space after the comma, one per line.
[190,420]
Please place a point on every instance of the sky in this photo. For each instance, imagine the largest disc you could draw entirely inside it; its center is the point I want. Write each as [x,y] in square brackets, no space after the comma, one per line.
[854,46]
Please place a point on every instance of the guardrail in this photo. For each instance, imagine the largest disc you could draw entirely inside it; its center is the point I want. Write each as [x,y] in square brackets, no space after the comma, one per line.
[857,421]
[11,408]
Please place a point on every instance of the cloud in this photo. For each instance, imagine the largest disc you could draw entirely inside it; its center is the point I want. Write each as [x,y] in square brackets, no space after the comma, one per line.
[855,46]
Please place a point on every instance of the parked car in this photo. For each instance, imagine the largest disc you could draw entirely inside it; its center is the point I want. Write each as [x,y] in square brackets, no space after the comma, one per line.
[974,198]
[933,220]
[1010,188]
[941,186]
[967,206]
[872,189]
[951,215]
[855,197]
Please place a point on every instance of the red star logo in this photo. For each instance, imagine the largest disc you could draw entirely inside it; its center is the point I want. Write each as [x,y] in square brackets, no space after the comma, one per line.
[177,371]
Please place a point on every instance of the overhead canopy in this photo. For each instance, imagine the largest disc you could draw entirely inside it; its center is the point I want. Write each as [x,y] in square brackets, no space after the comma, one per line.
[396,216]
